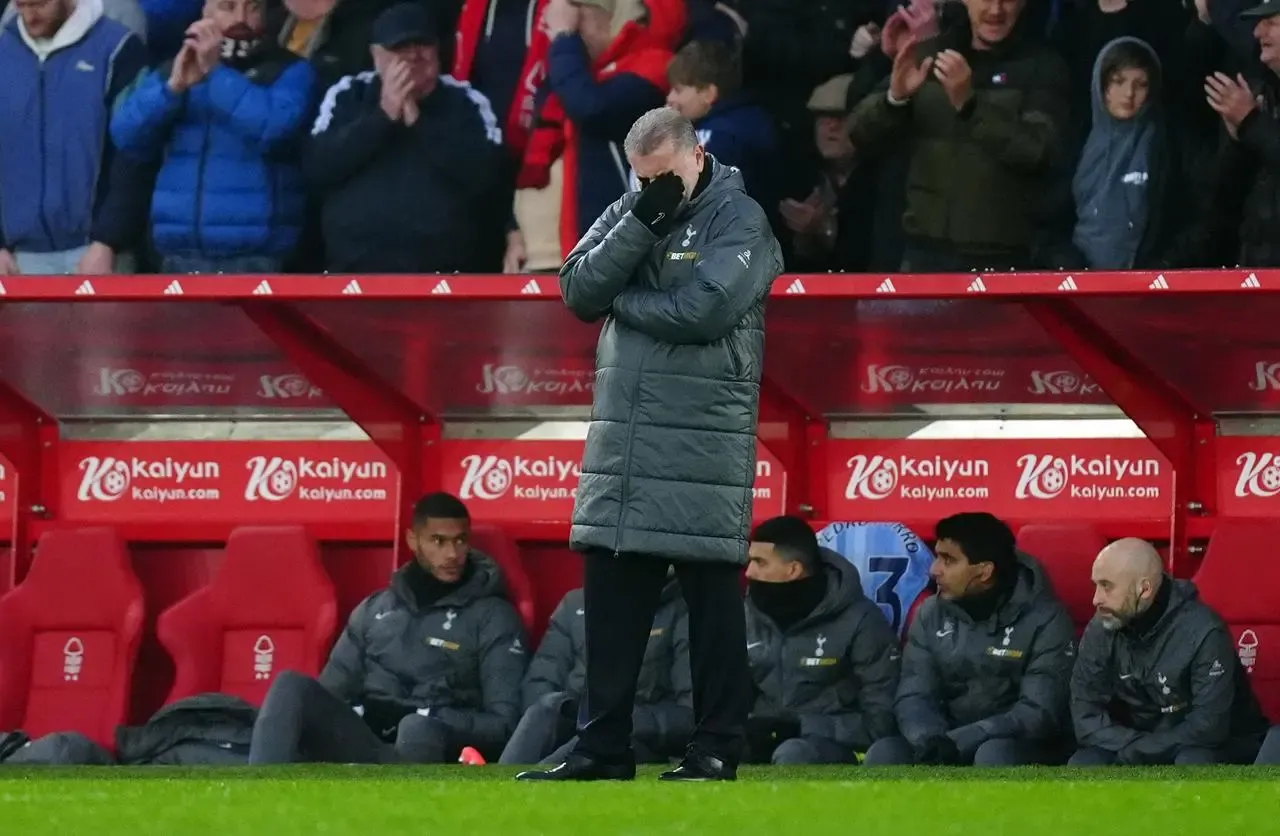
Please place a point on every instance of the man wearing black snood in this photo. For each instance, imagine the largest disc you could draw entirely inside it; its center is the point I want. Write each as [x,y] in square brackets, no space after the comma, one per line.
[824,661]
[988,660]
[424,668]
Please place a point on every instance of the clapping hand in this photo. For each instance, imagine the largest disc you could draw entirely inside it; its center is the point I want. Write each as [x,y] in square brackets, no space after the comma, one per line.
[915,22]
[397,86]
[186,70]
[1231,98]
[206,39]
[956,77]
[908,75]
[804,217]
[864,39]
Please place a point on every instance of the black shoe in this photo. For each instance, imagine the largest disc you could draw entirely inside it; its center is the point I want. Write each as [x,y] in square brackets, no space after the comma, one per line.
[579,767]
[700,767]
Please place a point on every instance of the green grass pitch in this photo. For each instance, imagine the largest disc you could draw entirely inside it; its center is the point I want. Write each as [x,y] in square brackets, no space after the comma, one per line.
[458,801]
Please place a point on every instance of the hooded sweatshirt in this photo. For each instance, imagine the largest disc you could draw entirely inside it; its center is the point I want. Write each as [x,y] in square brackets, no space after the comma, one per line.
[1111,183]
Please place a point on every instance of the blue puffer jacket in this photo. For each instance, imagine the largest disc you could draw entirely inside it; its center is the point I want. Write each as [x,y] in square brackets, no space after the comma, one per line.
[230,183]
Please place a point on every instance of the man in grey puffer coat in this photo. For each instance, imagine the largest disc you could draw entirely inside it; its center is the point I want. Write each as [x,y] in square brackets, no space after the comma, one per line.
[679,272]
[987,666]
[824,659]
[663,718]
[1158,680]
[424,668]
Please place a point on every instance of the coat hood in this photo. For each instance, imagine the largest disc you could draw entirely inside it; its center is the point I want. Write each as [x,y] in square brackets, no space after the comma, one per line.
[1097,88]
[844,585]
[1031,587]
[724,179]
[486,581]
[73,30]
[1181,593]
[1033,584]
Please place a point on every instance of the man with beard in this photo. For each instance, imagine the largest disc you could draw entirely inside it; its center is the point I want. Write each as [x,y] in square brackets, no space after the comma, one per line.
[424,668]
[1158,680]
[987,666]
[68,201]
[824,661]
[219,120]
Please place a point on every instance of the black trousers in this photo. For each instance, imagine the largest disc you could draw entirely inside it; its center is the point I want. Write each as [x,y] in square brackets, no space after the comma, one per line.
[1241,751]
[621,594]
[302,722]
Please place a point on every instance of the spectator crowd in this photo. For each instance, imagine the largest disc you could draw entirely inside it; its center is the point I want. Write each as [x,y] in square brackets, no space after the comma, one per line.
[244,136]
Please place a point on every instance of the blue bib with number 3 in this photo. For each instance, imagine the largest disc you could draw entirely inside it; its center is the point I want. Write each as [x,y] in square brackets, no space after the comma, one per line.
[892,562]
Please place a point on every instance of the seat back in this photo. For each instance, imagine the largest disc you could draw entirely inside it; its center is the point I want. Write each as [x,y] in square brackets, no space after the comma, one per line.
[69,637]
[1066,552]
[493,541]
[1240,578]
[893,564]
[270,607]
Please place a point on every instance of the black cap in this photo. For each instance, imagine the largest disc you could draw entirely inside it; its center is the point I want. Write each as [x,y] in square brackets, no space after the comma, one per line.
[1267,8]
[407,23]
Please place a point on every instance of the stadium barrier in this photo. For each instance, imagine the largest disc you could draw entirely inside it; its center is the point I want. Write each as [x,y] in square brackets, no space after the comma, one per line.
[175,408]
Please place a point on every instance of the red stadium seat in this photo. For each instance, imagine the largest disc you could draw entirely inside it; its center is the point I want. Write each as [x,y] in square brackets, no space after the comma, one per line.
[1066,551]
[69,637]
[493,541]
[1240,578]
[271,607]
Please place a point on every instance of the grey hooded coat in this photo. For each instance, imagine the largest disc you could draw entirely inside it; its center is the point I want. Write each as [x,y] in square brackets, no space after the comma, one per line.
[670,456]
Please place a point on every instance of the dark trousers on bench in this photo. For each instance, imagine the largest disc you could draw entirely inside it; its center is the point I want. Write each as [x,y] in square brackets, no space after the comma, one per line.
[302,722]
[1240,751]
[545,735]
[896,751]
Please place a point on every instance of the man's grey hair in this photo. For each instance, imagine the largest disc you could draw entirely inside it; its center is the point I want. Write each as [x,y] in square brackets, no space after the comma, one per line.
[655,129]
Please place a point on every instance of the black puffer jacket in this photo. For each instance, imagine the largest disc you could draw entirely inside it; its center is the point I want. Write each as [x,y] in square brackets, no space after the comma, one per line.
[671,451]
[836,670]
[204,730]
[1145,695]
[1006,677]
[463,657]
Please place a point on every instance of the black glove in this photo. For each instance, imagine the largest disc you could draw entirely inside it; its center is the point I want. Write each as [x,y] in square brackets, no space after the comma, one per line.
[569,710]
[764,734]
[383,716]
[656,207]
[939,750]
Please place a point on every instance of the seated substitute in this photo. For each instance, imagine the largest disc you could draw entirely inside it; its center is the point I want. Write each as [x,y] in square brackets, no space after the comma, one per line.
[663,717]
[987,666]
[824,660]
[1158,680]
[424,668]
